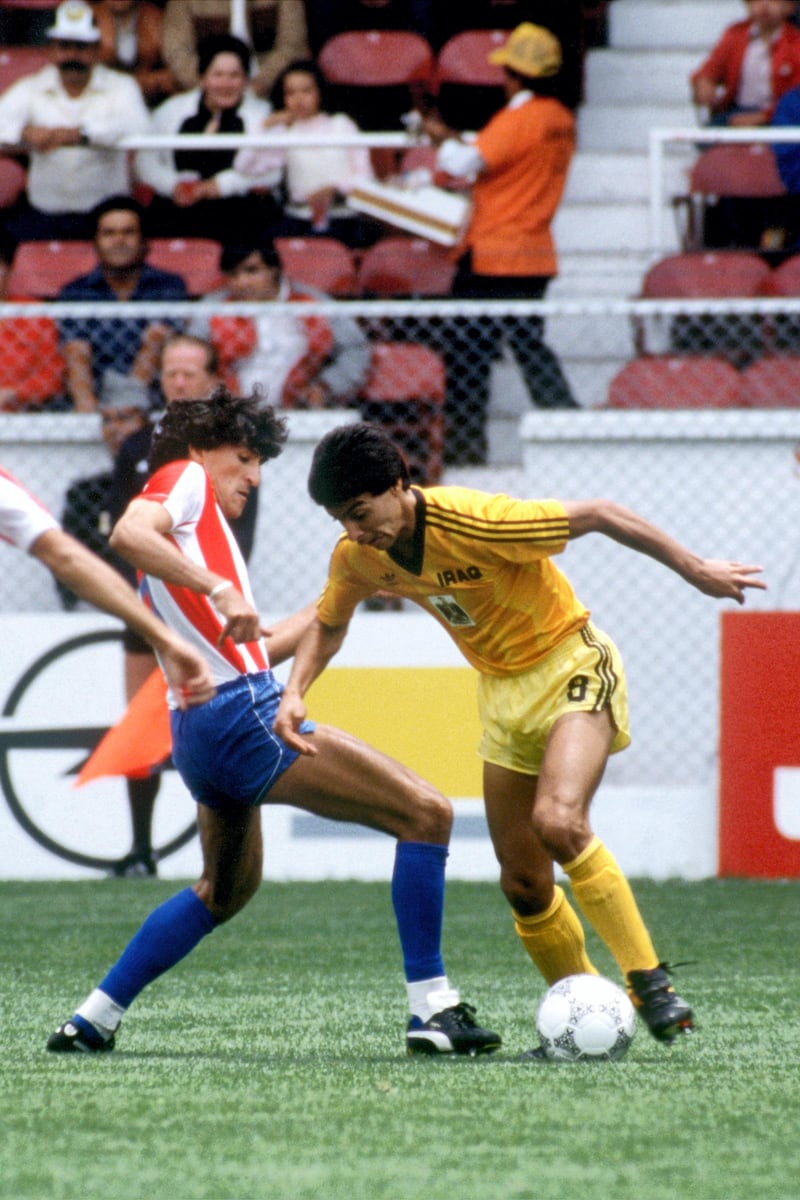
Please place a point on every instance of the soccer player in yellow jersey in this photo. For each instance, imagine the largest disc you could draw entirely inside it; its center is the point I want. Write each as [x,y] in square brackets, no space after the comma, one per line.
[551,688]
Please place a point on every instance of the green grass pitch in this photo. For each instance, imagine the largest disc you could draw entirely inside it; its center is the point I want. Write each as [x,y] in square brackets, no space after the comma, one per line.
[270,1064]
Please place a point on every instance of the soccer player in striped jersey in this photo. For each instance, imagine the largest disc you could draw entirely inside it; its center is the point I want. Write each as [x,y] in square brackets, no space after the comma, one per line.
[551,686]
[205,461]
[26,524]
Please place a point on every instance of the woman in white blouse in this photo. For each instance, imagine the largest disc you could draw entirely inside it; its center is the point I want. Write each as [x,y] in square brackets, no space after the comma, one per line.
[200,192]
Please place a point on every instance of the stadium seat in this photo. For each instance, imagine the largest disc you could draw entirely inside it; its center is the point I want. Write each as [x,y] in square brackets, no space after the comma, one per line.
[321,262]
[376,76]
[469,88]
[772,382]
[398,266]
[16,61]
[672,381]
[709,275]
[12,180]
[39,270]
[30,362]
[742,172]
[195,259]
[404,394]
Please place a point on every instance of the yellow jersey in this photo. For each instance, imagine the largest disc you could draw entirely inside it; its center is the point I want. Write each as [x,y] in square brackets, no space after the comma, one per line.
[481,564]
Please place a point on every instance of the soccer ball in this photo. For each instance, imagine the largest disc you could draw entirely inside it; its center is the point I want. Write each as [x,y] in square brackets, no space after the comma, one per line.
[585,1017]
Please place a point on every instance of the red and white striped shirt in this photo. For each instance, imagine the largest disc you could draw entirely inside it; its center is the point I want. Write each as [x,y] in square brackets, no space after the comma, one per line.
[23,518]
[200,531]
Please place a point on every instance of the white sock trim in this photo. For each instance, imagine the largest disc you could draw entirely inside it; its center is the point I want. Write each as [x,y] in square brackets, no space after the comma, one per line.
[429,996]
[102,1012]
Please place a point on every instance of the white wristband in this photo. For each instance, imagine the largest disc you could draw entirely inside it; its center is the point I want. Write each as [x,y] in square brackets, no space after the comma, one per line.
[220,587]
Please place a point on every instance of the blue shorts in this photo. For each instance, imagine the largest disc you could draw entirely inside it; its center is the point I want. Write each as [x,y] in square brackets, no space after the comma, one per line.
[226,750]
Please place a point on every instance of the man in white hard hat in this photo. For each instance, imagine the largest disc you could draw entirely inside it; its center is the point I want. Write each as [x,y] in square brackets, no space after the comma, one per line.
[68,118]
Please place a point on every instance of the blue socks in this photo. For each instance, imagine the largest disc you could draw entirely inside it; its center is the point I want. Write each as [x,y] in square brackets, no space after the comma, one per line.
[418,899]
[167,936]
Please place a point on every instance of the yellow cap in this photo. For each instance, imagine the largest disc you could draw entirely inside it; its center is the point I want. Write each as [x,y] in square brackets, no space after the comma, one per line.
[531,50]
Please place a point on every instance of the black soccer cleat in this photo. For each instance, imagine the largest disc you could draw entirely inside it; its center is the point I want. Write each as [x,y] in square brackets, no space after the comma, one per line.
[69,1039]
[664,1012]
[451,1031]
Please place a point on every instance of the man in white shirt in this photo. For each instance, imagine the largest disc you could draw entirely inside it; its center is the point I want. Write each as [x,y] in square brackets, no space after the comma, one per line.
[68,118]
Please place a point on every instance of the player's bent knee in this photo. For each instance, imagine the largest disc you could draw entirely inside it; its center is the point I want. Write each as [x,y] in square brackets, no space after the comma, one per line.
[561,830]
[431,818]
[527,895]
[224,902]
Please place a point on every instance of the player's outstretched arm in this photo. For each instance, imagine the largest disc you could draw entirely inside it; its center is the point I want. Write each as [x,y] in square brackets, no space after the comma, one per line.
[313,653]
[723,579]
[99,584]
[140,537]
[284,636]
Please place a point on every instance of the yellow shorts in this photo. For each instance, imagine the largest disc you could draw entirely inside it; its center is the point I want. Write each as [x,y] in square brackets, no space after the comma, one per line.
[584,673]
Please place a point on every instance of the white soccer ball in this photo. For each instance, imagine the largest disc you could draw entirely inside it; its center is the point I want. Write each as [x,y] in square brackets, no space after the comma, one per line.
[585,1017]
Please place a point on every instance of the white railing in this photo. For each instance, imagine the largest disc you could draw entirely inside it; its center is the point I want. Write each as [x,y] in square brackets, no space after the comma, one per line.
[662,139]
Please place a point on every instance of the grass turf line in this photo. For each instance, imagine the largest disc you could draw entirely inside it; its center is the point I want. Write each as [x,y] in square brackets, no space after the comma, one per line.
[270,1064]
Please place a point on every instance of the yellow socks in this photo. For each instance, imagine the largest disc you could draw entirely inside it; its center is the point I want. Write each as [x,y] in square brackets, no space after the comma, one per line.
[555,941]
[603,895]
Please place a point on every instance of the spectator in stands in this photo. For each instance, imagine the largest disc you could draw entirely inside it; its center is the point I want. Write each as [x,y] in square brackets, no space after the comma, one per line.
[275,30]
[316,180]
[519,163]
[303,361]
[200,193]
[752,65]
[68,117]
[131,346]
[130,40]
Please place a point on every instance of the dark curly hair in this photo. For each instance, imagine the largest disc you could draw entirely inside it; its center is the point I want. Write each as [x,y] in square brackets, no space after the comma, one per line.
[221,420]
[352,460]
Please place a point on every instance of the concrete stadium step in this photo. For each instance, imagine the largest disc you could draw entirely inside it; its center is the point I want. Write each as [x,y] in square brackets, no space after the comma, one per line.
[671,24]
[626,127]
[624,227]
[615,76]
[621,176]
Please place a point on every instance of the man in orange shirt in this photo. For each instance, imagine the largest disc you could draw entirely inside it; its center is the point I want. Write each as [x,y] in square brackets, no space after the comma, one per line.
[519,162]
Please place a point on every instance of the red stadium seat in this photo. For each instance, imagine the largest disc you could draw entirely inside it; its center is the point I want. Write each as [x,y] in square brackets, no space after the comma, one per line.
[469,87]
[376,77]
[672,381]
[709,275]
[404,394]
[195,259]
[772,382]
[744,172]
[786,277]
[398,266]
[700,275]
[16,61]
[371,58]
[31,366]
[39,270]
[321,262]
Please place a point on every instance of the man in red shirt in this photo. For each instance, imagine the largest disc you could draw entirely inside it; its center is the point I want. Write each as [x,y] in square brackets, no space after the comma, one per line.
[752,65]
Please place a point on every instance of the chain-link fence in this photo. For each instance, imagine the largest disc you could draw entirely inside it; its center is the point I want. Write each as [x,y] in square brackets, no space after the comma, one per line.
[722,478]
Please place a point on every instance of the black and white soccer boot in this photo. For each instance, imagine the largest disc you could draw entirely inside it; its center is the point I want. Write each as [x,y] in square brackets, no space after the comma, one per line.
[451,1031]
[72,1038]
